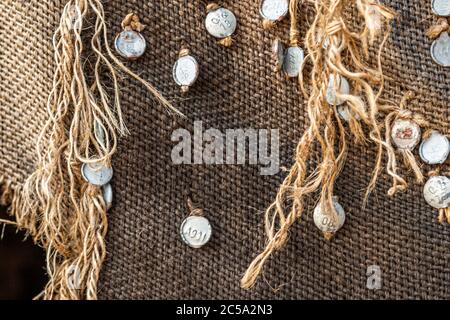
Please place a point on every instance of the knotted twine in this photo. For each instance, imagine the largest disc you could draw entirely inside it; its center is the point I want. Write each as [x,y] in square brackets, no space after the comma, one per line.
[329,42]
[62,212]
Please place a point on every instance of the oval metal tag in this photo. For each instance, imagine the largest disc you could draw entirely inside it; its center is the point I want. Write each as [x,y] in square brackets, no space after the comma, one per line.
[274,10]
[293,61]
[441,7]
[185,71]
[195,231]
[440,50]
[221,23]
[435,149]
[437,192]
[130,44]
[405,134]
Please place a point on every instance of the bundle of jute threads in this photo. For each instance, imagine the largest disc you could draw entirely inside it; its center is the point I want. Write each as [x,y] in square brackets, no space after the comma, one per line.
[333,50]
[57,207]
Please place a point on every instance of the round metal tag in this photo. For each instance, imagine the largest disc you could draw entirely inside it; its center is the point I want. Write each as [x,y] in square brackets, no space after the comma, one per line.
[195,231]
[221,23]
[274,10]
[108,195]
[437,192]
[440,50]
[344,88]
[130,44]
[293,61]
[405,134]
[278,54]
[325,223]
[435,149]
[96,173]
[441,7]
[185,71]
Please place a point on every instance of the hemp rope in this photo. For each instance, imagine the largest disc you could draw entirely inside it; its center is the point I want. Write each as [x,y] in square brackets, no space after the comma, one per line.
[62,212]
[329,24]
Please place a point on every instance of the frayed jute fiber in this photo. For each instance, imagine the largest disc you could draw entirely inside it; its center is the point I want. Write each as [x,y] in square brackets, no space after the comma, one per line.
[145,256]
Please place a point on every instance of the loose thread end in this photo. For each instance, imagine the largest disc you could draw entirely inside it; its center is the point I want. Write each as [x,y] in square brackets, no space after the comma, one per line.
[268,24]
[226,42]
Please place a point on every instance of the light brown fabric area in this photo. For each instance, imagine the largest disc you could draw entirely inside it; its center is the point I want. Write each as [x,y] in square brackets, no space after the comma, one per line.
[236,89]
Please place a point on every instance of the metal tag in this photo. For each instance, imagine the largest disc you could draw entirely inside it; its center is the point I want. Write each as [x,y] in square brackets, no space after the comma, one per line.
[293,61]
[130,44]
[441,7]
[435,149]
[221,23]
[185,71]
[437,192]
[195,231]
[278,54]
[96,173]
[325,223]
[274,10]
[344,88]
[108,195]
[440,50]
[99,134]
[405,134]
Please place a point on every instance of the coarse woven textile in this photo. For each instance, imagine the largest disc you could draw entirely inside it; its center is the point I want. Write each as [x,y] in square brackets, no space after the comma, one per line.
[236,89]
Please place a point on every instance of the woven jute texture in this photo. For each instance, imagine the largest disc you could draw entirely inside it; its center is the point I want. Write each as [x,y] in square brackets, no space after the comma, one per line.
[236,89]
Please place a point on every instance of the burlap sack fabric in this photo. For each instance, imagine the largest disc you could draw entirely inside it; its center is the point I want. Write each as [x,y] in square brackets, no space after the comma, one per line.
[236,89]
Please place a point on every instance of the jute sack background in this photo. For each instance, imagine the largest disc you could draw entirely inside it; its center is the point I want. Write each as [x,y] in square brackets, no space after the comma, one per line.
[236,89]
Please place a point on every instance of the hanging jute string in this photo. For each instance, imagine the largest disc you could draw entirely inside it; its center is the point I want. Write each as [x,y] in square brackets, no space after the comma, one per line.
[333,50]
[62,212]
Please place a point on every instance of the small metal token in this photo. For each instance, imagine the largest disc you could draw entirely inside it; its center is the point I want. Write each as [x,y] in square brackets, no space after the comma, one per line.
[96,173]
[274,10]
[185,71]
[325,223]
[221,23]
[130,44]
[293,61]
[435,149]
[100,134]
[440,50]
[405,134]
[344,88]
[108,195]
[195,231]
[278,54]
[441,7]
[437,192]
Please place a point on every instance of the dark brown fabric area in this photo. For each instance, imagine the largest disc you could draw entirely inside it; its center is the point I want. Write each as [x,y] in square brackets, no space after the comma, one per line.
[236,89]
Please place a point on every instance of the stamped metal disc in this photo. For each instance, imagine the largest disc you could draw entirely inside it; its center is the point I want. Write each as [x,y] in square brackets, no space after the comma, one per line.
[440,50]
[130,44]
[435,149]
[278,53]
[221,23]
[108,195]
[441,7]
[344,88]
[195,231]
[274,10]
[437,192]
[293,61]
[405,134]
[96,173]
[325,223]
[185,71]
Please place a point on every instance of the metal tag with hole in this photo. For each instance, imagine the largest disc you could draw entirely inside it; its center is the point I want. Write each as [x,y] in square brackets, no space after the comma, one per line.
[195,231]
[437,192]
[293,60]
[342,85]
[324,221]
[441,7]
[185,71]
[274,10]
[440,50]
[221,23]
[405,134]
[96,173]
[434,149]
[130,44]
